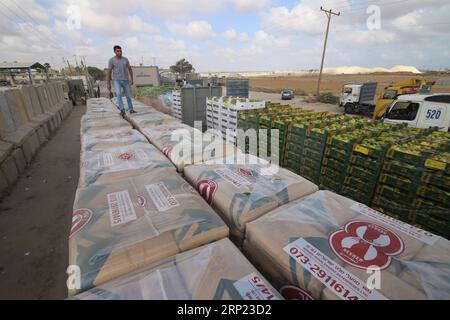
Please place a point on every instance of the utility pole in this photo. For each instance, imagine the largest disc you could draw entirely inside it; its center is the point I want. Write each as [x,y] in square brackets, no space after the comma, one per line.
[76,62]
[86,73]
[329,14]
[68,65]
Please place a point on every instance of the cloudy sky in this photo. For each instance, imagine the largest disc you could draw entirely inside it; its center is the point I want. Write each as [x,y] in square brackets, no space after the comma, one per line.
[228,35]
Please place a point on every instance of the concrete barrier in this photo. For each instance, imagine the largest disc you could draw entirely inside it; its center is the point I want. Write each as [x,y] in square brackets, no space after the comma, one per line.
[7,125]
[46,106]
[63,99]
[8,168]
[18,132]
[55,104]
[29,114]
[16,102]
[34,110]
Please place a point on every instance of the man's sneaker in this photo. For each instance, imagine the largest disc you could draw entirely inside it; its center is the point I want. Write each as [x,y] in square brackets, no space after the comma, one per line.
[122,113]
[132,111]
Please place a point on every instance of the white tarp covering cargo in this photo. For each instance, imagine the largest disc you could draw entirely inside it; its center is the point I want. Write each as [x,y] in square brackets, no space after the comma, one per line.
[243,193]
[128,224]
[110,164]
[326,246]
[217,271]
[106,139]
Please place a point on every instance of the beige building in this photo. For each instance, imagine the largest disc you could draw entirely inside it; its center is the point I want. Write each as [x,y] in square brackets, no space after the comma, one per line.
[146,76]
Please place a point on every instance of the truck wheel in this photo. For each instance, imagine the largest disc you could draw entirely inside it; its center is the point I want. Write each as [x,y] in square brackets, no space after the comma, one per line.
[349,108]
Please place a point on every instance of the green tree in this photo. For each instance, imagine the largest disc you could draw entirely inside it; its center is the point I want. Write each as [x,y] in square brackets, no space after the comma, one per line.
[96,73]
[182,67]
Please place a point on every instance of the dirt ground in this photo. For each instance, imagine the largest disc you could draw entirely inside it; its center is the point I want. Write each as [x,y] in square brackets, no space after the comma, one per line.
[296,102]
[333,83]
[36,218]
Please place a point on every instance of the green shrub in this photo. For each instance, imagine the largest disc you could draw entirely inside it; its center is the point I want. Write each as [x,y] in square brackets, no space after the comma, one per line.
[328,97]
[152,92]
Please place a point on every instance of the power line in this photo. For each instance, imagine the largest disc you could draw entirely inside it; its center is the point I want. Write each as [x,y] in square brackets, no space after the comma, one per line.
[329,14]
[364,7]
[31,27]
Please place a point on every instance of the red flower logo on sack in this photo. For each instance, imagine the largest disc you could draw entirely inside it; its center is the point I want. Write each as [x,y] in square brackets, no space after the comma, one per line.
[246,172]
[126,156]
[80,218]
[294,293]
[104,136]
[207,188]
[364,244]
[167,151]
[141,201]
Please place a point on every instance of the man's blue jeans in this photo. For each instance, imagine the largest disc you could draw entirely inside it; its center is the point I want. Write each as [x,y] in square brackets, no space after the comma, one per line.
[125,85]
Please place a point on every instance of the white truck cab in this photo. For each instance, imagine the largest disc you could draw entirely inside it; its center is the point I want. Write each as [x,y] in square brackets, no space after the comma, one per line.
[358,97]
[421,111]
[350,94]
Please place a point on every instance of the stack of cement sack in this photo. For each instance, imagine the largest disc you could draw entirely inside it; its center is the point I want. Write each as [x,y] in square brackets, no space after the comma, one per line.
[185,145]
[243,193]
[148,117]
[326,246]
[217,271]
[29,115]
[182,144]
[132,209]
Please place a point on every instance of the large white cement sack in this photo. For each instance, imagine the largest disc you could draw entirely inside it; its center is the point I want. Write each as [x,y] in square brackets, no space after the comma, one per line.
[102,116]
[161,134]
[116,163]
[243,193]
[128,224]
[152,120]
[185,145]
[107,139]
[99,105]
[216,271]
[102,124]
[323,245]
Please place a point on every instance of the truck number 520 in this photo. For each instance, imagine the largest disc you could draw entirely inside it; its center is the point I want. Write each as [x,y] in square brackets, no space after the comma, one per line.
[434,114]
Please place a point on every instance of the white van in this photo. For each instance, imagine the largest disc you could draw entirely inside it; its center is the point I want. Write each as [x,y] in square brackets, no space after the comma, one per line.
[421,111]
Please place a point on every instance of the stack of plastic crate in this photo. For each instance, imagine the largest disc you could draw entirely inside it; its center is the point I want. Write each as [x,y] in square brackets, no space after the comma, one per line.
[414,185]
[338,151]
[367,160]
[177,105]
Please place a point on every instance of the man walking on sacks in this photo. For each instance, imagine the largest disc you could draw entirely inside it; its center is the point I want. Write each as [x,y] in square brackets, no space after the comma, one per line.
[118,69]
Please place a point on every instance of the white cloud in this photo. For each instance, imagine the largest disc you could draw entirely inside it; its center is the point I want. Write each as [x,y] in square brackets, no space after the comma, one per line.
[232,35]
[179,9]
[168,43]
[135,24]
[195,29]
[26,9]
[250,5]
[305,17]
[262,42]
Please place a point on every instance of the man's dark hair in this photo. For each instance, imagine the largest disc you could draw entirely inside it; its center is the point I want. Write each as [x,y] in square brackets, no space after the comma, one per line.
[117,47]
